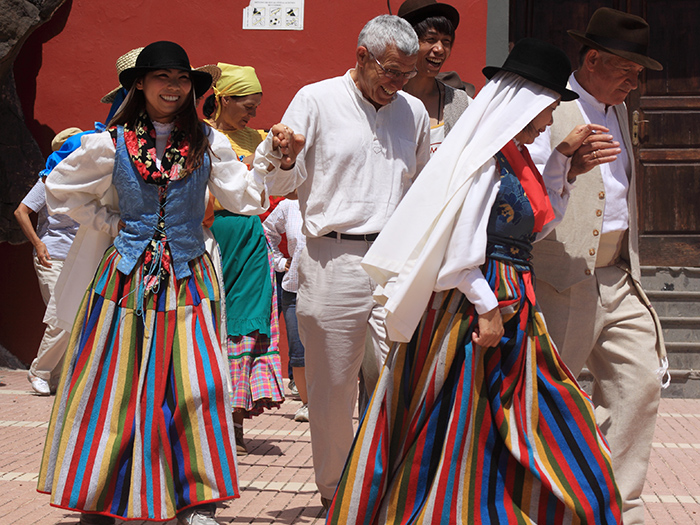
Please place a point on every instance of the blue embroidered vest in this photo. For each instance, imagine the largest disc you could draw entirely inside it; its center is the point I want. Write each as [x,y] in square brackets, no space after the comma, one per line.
[139,205]
[510,229]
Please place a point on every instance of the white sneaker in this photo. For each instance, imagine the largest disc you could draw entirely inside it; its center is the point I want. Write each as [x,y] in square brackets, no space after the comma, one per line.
[199,515]
[302,414]
[293,388]
[39,385]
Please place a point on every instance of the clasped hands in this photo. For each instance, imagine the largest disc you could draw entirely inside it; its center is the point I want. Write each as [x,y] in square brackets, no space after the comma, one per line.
[588,145]
[288,142]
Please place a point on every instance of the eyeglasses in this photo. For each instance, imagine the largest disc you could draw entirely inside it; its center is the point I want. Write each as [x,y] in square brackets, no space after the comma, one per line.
[394,74]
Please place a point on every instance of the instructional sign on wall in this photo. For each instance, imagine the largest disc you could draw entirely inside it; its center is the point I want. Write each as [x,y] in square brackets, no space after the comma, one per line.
[274,14]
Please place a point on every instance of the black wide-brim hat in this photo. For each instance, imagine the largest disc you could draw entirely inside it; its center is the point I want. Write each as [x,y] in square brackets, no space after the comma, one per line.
[619,33]
[165,55]
[415,11]
[539,62]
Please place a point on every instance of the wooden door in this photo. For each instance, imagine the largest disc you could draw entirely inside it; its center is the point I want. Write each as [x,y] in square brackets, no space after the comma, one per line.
[666,107]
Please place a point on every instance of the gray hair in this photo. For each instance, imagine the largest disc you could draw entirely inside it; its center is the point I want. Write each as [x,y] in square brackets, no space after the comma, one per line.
[388,30]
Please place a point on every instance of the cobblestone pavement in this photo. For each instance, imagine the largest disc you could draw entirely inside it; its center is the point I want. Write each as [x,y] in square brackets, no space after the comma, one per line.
[277,476]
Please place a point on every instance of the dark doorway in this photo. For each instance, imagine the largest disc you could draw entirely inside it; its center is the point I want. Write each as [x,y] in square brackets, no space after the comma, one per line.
[664,114]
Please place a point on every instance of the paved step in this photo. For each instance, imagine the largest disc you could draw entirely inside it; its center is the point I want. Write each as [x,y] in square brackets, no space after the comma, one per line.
[675,294]
[675,303]
[686,279]
[681,329]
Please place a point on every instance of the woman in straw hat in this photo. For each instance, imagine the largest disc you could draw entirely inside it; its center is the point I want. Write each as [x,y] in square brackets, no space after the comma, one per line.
[475,418]
[141,427]
[252,323]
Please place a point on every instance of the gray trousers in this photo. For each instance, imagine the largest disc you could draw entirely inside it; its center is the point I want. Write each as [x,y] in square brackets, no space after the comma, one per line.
[335,312]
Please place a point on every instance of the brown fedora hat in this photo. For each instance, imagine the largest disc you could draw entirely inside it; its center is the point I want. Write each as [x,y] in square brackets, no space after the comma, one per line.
[619,33]
[415,11]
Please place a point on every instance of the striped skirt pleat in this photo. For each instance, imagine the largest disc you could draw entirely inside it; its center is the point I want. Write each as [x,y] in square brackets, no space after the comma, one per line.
[456,433]
[141,426]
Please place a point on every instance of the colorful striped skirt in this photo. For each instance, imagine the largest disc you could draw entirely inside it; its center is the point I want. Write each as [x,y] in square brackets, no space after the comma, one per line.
[141,427]
[456,433]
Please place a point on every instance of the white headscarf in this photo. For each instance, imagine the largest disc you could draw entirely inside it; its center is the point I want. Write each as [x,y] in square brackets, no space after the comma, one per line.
[408,254]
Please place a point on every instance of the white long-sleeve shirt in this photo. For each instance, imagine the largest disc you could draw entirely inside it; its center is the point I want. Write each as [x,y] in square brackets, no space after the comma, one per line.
[615,174]
[358,162]
[286,219]
[77,183]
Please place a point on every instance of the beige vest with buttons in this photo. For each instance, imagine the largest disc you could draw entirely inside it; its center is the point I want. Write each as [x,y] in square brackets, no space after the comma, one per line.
[567,256]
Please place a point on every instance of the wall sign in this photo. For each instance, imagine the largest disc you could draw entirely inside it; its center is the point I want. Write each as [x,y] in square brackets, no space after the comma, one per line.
[274,14]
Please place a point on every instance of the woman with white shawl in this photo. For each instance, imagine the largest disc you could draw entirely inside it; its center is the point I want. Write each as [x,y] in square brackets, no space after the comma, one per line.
[475,418]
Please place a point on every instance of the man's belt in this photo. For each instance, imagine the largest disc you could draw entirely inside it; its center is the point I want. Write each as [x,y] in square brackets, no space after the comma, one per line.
[368,237]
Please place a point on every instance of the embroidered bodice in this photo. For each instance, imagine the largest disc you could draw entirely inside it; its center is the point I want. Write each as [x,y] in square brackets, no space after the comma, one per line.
[510,229]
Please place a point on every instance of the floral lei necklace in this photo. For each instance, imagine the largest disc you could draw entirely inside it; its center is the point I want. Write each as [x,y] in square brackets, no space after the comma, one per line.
[141,146]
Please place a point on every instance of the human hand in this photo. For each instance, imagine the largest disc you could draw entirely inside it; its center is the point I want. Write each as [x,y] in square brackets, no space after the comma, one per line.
[288,142]
[248,161]
[489,330]
[43,255]
[121,225]
[588,146]
[287,264]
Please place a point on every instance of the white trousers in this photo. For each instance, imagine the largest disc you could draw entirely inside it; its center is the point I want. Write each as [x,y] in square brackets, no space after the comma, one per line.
[603,324]
[53,345]
[335,311]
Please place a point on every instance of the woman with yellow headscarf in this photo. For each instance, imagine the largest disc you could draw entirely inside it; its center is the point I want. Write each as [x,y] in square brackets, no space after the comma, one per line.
[251,303]
[236,97]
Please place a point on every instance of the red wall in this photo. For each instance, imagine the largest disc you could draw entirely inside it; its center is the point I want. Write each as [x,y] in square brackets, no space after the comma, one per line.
[68,64]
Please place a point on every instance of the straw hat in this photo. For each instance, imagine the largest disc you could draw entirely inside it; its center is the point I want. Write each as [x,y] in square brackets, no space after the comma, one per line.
[128,60]
[166,55]
[63,136]
[124,62]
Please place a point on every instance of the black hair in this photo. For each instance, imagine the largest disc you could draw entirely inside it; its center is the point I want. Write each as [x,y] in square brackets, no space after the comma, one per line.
[438,23]
[209,106]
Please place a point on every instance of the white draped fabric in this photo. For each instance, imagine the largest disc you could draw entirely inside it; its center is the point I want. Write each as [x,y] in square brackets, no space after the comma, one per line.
[437,235]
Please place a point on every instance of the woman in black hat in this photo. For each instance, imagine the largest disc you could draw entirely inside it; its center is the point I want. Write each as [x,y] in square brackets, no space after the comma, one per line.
[141,427]
[475,418]
[435,24]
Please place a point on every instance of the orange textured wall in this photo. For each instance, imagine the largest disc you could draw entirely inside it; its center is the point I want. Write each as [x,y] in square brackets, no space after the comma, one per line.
[68,64]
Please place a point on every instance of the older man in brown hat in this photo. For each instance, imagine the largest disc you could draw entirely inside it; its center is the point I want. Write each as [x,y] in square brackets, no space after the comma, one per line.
[588,268]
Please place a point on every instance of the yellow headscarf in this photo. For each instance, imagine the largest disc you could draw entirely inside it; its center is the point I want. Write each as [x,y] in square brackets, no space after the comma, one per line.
[235,81]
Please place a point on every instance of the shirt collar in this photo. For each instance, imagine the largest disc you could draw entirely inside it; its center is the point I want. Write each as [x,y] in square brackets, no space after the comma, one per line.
[585,96]
[358,93]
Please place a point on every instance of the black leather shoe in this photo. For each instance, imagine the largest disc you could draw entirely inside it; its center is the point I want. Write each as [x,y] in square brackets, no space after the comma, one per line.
[88,518]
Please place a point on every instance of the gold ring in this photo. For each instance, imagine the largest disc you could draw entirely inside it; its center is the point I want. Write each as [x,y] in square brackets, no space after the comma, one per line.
[595,154]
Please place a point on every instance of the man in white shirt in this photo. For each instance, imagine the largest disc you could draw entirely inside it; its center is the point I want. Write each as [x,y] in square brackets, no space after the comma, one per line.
[53,238]
[588,268]
[366,140]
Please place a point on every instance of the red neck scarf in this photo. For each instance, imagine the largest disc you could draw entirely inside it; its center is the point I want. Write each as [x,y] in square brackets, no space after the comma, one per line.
[532,183]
